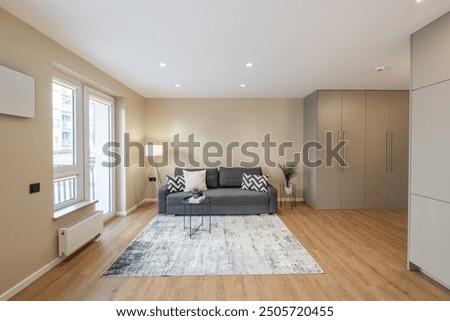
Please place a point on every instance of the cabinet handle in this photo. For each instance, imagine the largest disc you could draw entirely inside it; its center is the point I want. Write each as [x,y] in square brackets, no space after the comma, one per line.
[338,140]
[387,149]
[392,150]
[344,151]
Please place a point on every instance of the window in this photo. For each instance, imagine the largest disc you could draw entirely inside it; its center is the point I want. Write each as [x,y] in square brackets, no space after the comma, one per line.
[68,178]
[80,129]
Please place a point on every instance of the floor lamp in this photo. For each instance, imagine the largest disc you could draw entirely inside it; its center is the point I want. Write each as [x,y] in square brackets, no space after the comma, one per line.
[155,151]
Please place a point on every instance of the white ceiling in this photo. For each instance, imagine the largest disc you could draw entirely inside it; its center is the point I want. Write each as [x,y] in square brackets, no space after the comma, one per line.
[296,46]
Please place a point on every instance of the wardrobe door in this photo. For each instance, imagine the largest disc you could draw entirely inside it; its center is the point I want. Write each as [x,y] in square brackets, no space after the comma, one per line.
[377,149]
[328,177]
[353,130]
[430,151]
[399,146]
[310,134]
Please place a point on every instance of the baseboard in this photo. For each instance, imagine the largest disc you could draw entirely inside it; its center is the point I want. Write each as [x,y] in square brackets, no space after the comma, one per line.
[298,199]
[132,209]
[150,200]
[121,213]
[30,279]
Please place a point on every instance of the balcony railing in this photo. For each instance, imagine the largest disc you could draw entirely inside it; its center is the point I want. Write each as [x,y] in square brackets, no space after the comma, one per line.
[64,190]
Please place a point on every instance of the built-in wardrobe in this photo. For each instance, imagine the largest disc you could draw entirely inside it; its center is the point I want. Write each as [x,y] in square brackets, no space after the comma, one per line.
[374,125]
[429,212]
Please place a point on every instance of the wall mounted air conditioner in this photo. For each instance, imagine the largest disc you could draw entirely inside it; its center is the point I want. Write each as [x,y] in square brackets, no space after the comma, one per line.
[16,93]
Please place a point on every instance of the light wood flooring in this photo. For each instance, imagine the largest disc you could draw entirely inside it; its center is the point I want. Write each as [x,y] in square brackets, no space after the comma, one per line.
[363,254]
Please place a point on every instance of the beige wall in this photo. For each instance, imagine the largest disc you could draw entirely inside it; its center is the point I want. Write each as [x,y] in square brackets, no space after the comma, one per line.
[28,233]
[225,121]
[135,176]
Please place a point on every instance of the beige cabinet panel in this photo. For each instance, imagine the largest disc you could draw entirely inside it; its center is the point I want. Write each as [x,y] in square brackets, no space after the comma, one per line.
[399,136]
[387,149]
[310,134]
[375,124]
[328,177]
[377,149]
[353,130]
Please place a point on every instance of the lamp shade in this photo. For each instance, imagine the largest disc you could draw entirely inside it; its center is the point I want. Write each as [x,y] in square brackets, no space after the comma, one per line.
[154,150]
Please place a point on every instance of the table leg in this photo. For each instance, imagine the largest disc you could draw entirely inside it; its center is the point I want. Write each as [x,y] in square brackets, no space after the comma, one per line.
[295,195]
[281,195]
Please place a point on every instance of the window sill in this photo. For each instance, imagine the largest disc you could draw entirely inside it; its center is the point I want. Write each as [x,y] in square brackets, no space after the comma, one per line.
[59,214]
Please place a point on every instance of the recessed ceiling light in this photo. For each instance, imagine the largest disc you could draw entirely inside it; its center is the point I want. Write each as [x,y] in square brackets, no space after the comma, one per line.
[162,64]
[242,85]
[379,69]
[248,64]
[177,85]
[418,1]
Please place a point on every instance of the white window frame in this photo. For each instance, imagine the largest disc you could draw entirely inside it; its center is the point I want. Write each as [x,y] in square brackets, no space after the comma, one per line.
[81,170]
[89,92]
[76,170]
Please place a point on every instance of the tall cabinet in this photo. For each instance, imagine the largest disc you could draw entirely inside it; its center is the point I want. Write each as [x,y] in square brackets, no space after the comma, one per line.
[387,118]
[429,212]
[341,114]
[374,125]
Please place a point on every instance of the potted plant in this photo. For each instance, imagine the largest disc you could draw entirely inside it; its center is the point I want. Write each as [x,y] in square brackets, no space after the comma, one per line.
[288,173]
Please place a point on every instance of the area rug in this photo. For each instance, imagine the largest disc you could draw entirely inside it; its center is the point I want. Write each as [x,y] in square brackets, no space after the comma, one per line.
[237,245]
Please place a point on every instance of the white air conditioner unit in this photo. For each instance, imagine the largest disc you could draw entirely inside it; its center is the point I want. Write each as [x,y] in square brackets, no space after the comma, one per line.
[16,93]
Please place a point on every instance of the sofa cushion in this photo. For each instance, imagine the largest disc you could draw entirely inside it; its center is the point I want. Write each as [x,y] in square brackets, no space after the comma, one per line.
[237,196]
[175,184]
[256,183]
[175,198]
[212,175]
[232,176]
[195,179]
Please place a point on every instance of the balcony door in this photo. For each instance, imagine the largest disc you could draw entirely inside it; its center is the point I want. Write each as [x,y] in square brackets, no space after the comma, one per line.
[100,183]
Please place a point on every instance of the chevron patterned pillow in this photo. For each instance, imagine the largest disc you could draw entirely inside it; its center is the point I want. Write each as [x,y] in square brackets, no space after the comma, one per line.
[175,184]
[254,182]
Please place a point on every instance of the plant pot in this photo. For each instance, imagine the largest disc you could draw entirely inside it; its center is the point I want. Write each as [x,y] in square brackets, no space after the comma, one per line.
[288,190]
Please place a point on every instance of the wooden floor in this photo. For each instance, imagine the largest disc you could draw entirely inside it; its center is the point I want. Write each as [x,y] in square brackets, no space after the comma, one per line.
[362,252]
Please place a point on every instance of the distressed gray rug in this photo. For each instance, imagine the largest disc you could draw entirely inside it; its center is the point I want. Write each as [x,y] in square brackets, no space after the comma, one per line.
[237,245]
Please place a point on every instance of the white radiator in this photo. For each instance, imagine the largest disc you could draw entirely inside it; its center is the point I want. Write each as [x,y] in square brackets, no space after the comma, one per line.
[74,236]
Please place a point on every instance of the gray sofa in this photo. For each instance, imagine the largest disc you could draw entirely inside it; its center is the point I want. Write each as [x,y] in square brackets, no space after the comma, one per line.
[227,197]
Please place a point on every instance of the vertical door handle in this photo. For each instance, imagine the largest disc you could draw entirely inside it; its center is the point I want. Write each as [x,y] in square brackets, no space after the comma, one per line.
[344,150]
[392,150]
[387,149]
[338,140]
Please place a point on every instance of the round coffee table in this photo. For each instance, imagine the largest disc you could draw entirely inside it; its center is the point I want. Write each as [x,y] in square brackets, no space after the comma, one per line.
[196,209]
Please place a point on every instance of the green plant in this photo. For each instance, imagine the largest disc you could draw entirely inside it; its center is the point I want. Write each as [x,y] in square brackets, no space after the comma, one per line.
[288,172]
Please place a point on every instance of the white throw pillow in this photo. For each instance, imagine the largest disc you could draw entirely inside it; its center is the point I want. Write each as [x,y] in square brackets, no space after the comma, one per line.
[194,179]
